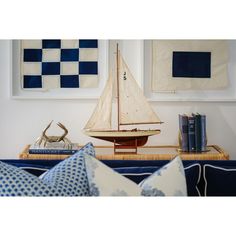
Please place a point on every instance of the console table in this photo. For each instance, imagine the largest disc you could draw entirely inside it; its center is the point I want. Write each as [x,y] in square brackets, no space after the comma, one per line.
[166,152]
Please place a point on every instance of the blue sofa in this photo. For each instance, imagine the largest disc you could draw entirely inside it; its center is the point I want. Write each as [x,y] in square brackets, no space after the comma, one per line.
[204,178]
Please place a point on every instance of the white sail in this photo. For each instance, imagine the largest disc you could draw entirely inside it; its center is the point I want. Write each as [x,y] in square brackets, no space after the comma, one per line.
[101,117]
[133,106]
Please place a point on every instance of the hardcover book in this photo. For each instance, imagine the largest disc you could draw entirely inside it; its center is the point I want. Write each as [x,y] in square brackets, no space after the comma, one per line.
[183,127]
[191,134]
[203,133]
[53,148]
[198,131]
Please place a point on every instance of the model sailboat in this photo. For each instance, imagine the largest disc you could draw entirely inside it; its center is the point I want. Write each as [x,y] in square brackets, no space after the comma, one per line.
[132,109]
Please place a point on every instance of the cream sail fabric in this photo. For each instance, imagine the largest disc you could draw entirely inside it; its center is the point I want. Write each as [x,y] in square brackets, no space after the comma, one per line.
[134,108]
[101,117]
[162,52]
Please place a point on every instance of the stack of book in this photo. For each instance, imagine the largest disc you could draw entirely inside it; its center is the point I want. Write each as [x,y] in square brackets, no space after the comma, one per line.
[193,133]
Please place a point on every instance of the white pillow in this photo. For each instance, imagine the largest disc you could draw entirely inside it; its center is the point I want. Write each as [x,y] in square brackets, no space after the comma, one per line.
[104,181]
[168,181]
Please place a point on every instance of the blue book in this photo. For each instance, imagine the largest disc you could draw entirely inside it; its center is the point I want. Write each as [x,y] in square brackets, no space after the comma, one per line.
[183,128]
[53,149]
[191,134]
[198,131]
[203,133]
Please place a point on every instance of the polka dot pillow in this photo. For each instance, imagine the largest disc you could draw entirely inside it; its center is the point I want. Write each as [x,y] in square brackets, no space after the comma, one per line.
[68,178]
[17,182]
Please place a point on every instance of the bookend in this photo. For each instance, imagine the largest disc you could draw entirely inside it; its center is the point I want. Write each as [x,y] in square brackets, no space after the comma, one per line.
[180,145]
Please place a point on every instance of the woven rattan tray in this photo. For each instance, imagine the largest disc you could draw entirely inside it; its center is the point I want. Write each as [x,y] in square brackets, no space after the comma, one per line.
[166,152]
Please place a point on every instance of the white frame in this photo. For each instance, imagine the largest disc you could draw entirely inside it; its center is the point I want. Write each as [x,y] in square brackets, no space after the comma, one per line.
[74,93]
[225,95]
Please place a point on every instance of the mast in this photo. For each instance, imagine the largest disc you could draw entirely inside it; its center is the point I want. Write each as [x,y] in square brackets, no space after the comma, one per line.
[118,92]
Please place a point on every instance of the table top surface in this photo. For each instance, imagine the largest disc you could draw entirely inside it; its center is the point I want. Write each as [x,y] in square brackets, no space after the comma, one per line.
[165,149]
[164,152]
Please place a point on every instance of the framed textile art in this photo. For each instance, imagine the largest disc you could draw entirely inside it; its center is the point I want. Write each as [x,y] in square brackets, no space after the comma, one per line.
[58,68]
[190,70]
[189,65]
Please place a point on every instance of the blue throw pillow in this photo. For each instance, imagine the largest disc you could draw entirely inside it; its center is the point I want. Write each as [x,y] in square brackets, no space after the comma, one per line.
[219,181]
[193,176]
[69,176]
[17,182]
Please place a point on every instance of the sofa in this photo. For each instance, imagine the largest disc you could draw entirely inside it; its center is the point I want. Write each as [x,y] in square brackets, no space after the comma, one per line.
[204,178]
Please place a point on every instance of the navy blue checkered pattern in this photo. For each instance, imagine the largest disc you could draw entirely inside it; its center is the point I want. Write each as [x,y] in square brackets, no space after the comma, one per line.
[58,63]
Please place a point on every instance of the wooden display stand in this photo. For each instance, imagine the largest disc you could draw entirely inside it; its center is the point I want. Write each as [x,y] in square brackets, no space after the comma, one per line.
[166,152]
[124,149]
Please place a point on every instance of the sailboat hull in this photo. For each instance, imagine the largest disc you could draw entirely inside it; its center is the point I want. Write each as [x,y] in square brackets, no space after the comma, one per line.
[124,137]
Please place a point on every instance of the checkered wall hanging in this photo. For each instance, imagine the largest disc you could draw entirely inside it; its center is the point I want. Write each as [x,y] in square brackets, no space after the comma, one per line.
[53,64]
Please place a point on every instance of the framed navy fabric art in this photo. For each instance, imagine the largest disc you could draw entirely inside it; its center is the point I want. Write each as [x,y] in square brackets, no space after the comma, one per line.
[54,63]
[189,65]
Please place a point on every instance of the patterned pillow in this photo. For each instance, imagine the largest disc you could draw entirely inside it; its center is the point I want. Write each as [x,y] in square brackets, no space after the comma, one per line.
[138,173]
[69,176]
[167,181]
[103,181]
[17,182]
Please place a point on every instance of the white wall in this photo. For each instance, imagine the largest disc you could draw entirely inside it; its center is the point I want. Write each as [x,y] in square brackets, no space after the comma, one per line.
[21,121]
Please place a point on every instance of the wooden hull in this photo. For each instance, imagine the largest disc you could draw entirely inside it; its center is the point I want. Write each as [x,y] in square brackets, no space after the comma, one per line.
[124,137]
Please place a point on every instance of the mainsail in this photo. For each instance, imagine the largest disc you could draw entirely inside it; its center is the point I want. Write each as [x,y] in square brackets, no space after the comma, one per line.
[133,106]
[101,117]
